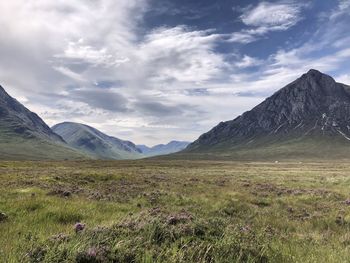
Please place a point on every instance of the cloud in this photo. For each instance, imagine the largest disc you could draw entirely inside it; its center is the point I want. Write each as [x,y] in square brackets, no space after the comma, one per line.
[248,61]
[276,16]
[100,63]
[181,54]
[69,73]
[101,99]
[345,79]
[62,49]
[157,108]
[267,17]
[78,52]
[343,9]
[244,37]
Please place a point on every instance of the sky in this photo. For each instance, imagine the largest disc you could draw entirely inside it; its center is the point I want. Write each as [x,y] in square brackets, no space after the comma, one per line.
[151,71]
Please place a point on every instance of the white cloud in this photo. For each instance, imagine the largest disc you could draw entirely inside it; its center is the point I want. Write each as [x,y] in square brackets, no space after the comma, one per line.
[182,55]
[94,62]
[248,61]
[345,79]
[276,16]
[77,51]
[267,17]
[243,37]
[62,49]
[67,72]
[343,9]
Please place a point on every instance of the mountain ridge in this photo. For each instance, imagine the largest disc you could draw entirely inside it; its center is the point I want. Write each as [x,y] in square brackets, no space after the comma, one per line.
[11,108]
[24,135]
[313,106]
[163,149]
[96,143]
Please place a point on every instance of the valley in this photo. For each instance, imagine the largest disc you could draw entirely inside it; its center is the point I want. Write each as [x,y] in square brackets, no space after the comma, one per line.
[174,211]
[269,186]
[144,131]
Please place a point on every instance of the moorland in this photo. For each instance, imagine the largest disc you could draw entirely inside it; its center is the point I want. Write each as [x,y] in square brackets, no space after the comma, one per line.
[174,211]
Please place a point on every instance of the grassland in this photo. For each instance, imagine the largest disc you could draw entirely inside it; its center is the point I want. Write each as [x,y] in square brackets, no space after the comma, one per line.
[174,211]
[14,146]
[270,148]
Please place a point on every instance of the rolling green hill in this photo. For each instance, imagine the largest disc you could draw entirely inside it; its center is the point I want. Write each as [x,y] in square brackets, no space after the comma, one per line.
[95,143]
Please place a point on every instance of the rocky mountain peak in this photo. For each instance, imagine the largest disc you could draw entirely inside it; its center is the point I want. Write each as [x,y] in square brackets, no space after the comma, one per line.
[315,81]
[315,73]
[314,104]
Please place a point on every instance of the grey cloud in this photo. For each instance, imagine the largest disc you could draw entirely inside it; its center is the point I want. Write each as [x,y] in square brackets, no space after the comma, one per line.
[103,99]
[108,83]
[157,108]
[254,94]
[94,62]
[197,92]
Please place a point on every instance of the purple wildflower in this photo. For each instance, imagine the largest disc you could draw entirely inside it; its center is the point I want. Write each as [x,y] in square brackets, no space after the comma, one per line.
[79,227]
[92,252]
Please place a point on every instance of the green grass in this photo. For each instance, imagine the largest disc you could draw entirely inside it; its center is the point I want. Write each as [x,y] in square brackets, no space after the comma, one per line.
[14,146]
[175,211]
[271,148]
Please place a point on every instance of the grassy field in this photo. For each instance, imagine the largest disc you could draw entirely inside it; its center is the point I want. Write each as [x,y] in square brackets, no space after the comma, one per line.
[174,211]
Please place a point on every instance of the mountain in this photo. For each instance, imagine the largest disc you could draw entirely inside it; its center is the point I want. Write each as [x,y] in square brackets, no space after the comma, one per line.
[163,149]
[24,135]
[95,143]
[310,117]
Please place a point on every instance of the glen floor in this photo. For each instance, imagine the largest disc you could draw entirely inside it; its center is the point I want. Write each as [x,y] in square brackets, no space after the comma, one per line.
[174,211]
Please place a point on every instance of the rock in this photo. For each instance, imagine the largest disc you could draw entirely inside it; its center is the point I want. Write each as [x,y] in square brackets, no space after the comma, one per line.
[66,194]
[181,217]
[339,220]
[290,209]
[61,192]
[3,217]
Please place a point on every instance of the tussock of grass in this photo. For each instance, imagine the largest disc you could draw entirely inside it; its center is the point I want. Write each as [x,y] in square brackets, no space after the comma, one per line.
[174,211]
[152,239]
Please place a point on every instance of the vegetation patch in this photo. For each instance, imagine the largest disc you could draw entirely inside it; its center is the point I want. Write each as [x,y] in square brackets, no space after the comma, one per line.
[160,237]
[174,211]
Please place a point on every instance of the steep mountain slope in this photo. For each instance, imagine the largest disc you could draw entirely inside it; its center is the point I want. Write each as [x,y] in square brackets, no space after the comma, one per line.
[309,117]
[96,143]
[163,149]
[24,135]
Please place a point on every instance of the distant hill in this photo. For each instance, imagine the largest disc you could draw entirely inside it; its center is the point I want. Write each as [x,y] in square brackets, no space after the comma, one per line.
[95,143]
[24,135]
[163,149]
[308,118]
